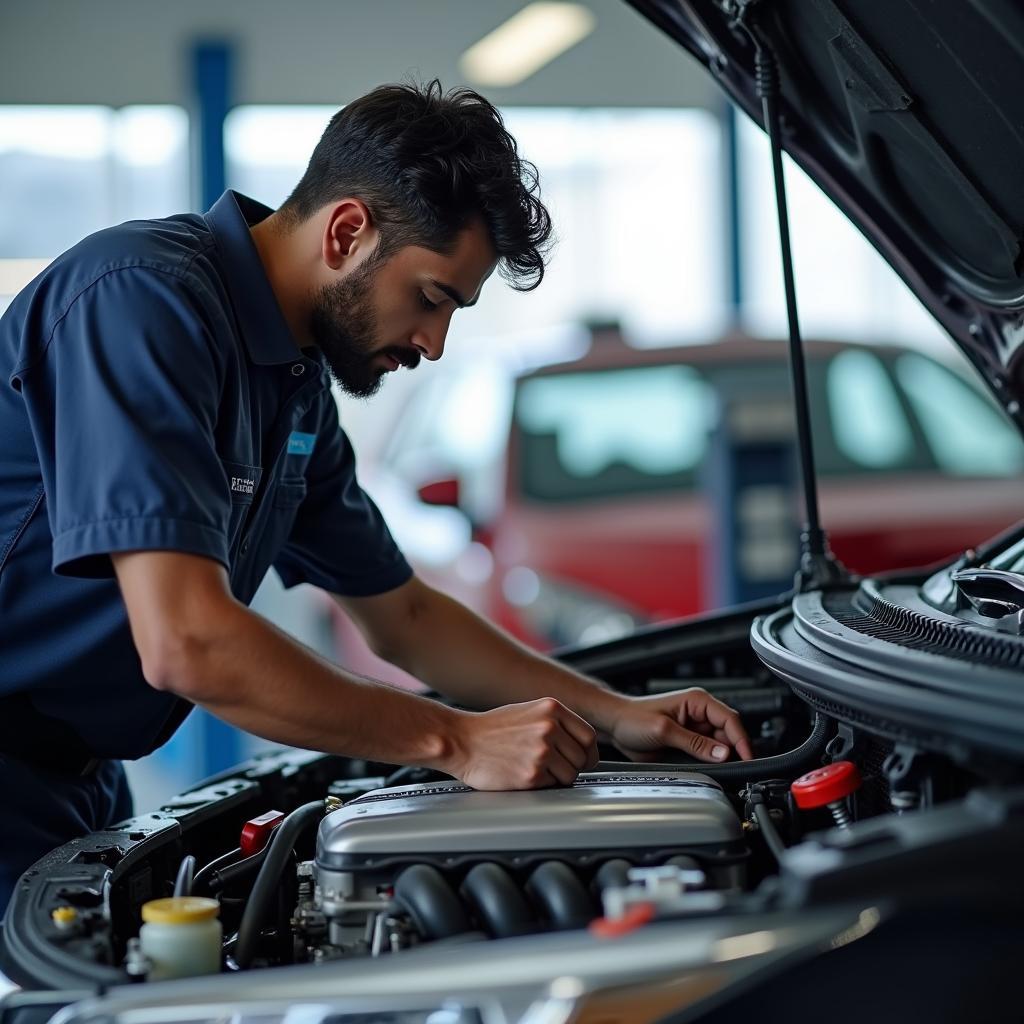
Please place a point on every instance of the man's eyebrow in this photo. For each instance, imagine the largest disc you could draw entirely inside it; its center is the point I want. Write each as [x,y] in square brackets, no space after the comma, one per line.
[452,294]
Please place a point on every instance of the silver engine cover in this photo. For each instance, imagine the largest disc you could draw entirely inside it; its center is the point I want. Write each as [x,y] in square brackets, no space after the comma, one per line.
[606,812]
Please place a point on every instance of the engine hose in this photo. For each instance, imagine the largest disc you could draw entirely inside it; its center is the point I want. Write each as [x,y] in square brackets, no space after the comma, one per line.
[768,831]
[560,894]
[186,872]
[236,871]
[612,874]
[793,762]
[427,897]
[209,871]
[409,774]
[497,901]
[264,890]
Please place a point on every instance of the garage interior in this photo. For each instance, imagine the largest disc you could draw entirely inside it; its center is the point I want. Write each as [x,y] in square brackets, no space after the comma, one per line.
[625,468]
[115,110]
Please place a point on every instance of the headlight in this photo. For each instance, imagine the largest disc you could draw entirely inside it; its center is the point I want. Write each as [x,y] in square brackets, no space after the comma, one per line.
[564,614]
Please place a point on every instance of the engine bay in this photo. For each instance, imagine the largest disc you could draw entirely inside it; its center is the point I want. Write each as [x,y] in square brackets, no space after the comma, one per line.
[316,859]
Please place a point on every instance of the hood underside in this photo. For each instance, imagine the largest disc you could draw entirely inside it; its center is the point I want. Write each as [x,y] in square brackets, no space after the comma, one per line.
[910,117]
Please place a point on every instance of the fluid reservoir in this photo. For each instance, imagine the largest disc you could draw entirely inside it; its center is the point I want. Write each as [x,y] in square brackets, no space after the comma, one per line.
[181,937]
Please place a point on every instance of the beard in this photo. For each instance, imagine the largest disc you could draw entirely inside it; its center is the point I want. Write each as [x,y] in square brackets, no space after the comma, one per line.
[343,326]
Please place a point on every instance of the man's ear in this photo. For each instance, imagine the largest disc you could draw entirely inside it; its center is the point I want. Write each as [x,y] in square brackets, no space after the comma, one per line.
[349,234]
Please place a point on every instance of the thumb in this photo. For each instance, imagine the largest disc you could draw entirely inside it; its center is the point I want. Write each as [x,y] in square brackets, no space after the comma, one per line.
[704,748]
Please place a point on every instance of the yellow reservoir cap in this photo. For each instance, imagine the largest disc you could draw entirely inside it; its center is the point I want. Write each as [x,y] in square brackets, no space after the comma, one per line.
[180,910]
[64,915]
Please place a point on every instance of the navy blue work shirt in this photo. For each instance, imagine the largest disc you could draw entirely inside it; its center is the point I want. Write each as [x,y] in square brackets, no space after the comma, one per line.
[152,398]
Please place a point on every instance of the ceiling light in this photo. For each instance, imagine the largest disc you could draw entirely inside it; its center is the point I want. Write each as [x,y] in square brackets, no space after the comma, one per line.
[533,37]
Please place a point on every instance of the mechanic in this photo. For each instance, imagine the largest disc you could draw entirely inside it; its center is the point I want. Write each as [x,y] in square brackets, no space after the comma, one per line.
[169,434]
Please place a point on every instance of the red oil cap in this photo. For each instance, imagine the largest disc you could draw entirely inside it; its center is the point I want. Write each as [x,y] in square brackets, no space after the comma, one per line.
[826,785]
[256,832]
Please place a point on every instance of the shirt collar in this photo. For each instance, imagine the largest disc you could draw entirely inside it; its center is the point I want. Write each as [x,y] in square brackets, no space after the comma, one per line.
[264,328]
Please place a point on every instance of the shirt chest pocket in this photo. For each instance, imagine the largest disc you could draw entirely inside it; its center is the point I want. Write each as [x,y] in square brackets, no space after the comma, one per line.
[289,493]
[277,517]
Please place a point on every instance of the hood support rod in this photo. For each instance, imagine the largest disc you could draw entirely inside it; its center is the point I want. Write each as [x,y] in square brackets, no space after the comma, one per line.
[818,566]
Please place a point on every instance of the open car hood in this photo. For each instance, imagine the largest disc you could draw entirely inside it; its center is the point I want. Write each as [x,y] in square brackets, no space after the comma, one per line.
[909,115]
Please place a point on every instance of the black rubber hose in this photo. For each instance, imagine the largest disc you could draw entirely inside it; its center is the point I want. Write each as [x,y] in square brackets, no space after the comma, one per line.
[771,834]
[793,762]
[208,871]
[427,897]
[412,774]
[497,901]
[239,870]
[264,891]
[612,874]
[186,873]
[560,894]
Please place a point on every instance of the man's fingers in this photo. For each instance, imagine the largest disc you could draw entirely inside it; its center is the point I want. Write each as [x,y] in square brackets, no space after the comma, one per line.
[563,770]
[571,751]
[574,738]
[582,732]
[723,717]
[704,748]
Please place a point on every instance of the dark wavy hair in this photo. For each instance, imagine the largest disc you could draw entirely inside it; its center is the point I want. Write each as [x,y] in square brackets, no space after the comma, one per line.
[426,163]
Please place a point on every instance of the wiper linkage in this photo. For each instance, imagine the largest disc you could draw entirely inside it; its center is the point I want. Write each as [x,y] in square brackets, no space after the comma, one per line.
[818,566]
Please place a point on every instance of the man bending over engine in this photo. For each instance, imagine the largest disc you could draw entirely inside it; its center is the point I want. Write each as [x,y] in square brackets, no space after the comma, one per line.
[169,434]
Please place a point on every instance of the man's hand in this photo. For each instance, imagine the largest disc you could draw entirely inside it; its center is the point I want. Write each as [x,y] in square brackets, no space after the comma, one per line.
[522,746]
[689,720]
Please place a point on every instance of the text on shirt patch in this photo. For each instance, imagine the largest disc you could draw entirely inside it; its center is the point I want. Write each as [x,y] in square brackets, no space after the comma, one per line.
[300,443]
[242,484]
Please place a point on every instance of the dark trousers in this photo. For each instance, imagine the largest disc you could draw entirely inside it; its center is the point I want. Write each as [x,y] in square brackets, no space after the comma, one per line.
[41,810]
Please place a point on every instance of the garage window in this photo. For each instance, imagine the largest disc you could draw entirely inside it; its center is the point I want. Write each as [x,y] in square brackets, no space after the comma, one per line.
[66,172]
[639,169]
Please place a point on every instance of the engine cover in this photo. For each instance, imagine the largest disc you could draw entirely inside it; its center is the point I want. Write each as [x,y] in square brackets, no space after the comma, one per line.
[606,813]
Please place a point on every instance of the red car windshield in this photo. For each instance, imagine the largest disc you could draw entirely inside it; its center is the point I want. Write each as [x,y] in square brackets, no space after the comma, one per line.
[621,432]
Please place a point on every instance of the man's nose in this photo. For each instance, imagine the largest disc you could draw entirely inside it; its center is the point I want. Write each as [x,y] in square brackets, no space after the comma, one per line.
[429,341]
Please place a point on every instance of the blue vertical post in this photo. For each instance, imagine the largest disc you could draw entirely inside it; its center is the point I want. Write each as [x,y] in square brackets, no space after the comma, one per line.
[748,482]
[733,241]
[211,82]
[219,744]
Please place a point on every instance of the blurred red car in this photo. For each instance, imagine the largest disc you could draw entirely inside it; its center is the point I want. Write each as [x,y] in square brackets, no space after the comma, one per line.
[593,516]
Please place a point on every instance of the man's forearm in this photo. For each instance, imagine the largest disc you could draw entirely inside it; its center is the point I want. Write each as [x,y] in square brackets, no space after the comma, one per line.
[458,653]
[194,639]
[246,671]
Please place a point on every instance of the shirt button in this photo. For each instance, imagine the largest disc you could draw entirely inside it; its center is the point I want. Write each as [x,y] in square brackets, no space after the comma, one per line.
[298,369]
[244,549]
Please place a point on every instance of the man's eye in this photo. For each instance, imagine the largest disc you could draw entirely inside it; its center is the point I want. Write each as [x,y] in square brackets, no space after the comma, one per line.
[426,303]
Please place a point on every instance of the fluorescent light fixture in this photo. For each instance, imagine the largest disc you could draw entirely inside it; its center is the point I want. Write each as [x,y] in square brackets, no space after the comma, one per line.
[533,37]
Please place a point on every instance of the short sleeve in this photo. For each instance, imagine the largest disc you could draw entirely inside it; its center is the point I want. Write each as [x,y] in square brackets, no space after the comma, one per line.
[123,404]
[339,540]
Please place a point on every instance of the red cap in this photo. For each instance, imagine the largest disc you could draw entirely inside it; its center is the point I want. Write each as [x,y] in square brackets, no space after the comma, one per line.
[256,832]
[826,785]
[613,927]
